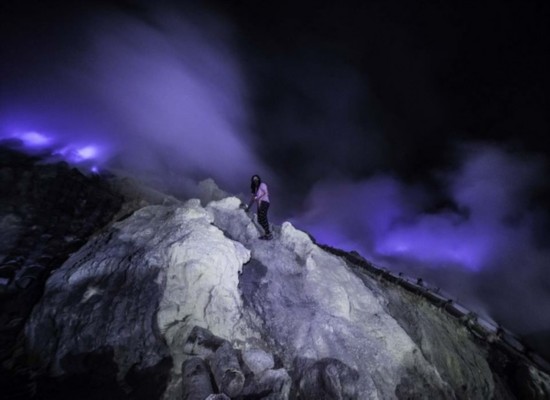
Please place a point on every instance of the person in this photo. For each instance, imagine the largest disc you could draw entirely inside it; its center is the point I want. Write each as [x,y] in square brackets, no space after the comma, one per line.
[260,195]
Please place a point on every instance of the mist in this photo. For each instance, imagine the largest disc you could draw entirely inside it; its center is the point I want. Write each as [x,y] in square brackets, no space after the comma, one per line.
[159,95]
[351,125]
[481,249]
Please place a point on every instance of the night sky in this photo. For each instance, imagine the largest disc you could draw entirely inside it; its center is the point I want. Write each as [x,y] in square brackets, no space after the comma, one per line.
[415,133]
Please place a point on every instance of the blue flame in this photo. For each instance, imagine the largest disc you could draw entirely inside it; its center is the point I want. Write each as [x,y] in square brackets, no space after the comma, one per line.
[80,155]
[34,139]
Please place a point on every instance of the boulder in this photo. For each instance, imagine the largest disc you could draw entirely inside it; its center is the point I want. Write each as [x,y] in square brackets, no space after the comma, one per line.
[272,384]
[326,379]
[196,383]
[202,342]
[258,360]
[227,371]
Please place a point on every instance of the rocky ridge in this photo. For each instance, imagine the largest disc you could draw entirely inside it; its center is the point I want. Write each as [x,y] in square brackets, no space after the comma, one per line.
[181,300]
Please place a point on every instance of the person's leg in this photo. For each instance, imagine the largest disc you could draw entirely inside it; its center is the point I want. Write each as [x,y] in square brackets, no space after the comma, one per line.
[262,217]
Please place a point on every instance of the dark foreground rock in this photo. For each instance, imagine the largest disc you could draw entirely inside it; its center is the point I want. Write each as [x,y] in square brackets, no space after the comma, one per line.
[325,379]
[47,211]
[196,379]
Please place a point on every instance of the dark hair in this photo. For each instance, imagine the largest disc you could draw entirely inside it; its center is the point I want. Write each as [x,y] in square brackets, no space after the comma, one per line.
[255,185]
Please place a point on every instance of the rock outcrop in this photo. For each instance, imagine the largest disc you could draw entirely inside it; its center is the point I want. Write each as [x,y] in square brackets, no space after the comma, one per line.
[47,211]
[181,300]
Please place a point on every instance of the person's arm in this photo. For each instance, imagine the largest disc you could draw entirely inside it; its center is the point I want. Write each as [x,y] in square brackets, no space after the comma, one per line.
[252,200]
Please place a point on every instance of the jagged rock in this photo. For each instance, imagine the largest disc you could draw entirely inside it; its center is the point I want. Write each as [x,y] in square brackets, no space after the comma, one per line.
[258,360]
[312,305]
[444,344]
[40,204]
[530,383]
[209,191]
[272,384]
[265,382]
[121,309]
[196,379]
[202,342]
[326,379]
[227,372]
[219,396]
[137,196]
[141,290]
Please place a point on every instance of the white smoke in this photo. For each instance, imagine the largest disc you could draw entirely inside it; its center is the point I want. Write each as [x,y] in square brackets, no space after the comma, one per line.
[483,250]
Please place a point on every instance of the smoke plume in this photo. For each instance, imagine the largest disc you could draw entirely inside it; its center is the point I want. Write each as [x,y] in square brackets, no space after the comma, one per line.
[482,248]
[159,93]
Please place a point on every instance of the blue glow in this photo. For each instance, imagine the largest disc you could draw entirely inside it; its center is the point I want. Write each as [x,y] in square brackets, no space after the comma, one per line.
[34,139]
[73,153]
[87,152]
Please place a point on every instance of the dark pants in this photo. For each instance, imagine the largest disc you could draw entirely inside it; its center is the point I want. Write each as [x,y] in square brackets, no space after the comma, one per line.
[262,216]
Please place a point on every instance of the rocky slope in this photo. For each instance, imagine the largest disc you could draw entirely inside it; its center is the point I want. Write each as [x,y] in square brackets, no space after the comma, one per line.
[47,211]
[181,300]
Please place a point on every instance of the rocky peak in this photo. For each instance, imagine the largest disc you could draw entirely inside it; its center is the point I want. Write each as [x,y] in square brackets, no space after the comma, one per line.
[181,300]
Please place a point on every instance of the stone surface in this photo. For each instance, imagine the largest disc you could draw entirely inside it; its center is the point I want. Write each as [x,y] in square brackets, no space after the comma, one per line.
[47,211]
[141,290]
[327,378]
[196,383]
[219,396]
[258,360]
[125,314]
[272,384]
[446,345]
[225,367]
[202,342]
[312,305]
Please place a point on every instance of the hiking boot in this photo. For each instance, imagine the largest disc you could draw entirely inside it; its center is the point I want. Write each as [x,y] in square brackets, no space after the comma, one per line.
[269,236]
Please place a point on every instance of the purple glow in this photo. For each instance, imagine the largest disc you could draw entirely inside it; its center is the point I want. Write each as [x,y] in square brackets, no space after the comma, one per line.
[360,212]
[30,139]
[384,217]
[87,152]
[484,254]
[35,139]
[437,242]
[55,146]
[161,98]
[77,154]
[177,93]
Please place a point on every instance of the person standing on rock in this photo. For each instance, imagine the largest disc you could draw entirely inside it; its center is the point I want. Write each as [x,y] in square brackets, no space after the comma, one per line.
[260,195]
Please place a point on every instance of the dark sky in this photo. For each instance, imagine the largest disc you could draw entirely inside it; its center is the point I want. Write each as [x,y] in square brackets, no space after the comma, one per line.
[423,77]
[387,86]
[414,132]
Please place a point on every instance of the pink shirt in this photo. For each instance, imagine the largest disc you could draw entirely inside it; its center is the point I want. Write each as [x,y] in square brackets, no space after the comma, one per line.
[262,194]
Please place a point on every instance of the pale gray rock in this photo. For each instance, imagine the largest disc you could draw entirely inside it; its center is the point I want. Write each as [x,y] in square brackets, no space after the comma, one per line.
[227,371]
[272,384]
[326,379]
[102,298]
[172,281]
[209,191]
[312,305]
[202,342]
[196,384]
[139,288]
[258,360]
[219,396]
